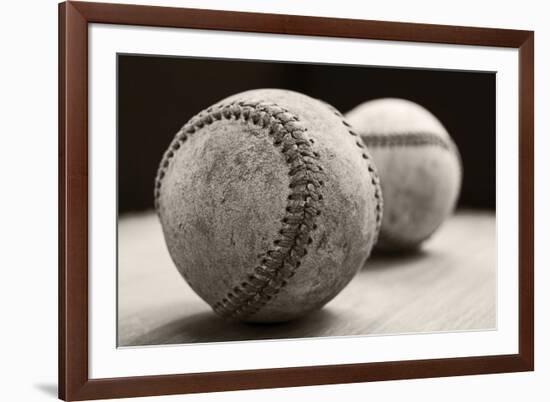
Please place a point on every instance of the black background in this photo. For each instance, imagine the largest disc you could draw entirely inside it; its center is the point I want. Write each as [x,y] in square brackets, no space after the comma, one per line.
[157,95]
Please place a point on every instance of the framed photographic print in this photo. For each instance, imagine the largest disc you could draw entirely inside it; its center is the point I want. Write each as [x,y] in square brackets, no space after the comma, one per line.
[258,200]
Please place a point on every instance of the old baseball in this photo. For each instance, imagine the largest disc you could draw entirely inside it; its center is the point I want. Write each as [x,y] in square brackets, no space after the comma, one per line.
[419,167]
[269,206]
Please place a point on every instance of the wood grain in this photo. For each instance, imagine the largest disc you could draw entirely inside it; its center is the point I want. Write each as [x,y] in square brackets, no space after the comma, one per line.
[450,285]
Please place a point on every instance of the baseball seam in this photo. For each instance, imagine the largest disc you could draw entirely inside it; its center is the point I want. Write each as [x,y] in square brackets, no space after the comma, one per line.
[280,263]
[374,178]
[403,140]
[407,139]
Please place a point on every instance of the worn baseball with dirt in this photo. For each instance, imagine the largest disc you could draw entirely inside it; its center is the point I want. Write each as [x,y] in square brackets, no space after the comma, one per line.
[419,166]
[269,205]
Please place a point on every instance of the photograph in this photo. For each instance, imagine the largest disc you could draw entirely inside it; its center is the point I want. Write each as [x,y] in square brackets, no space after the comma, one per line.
[275,201]
[256,200]
[268,200]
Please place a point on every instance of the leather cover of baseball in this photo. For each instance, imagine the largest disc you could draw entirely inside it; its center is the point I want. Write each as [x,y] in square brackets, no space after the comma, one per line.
[419,165]
[269,206]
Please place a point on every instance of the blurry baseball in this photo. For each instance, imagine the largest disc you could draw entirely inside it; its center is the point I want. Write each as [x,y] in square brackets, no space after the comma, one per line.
[264,204]
[419,166]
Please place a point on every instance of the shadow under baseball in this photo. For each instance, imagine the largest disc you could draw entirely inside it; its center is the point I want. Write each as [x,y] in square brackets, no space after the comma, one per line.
[385,260]
[207,327]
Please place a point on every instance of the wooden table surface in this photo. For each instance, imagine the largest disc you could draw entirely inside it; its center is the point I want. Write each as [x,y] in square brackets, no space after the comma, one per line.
[449,285]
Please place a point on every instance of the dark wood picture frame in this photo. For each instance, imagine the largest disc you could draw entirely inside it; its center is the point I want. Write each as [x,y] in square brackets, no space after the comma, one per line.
[74,381]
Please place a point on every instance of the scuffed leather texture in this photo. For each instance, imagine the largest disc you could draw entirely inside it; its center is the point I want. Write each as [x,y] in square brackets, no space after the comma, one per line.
[268,204]
[419,166]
